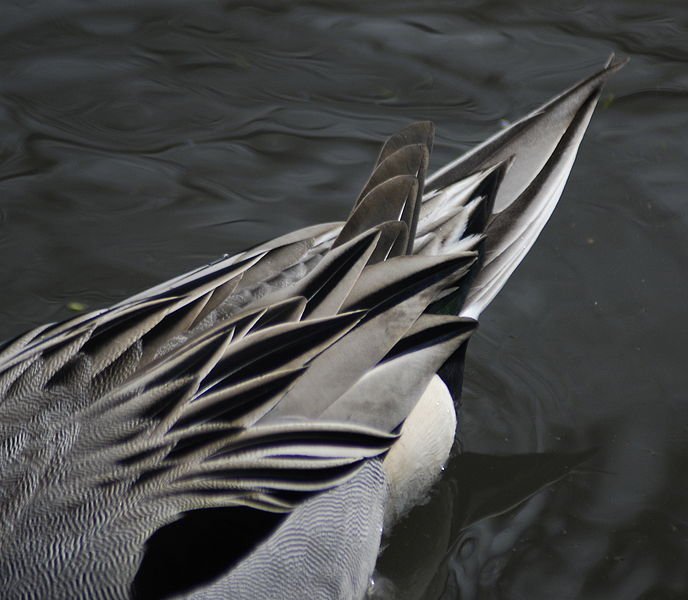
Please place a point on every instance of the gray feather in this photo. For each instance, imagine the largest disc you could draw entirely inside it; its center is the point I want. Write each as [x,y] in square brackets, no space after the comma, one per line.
[272,381]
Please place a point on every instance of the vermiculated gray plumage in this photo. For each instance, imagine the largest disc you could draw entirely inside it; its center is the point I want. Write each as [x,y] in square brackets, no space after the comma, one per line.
[271,382]
[326,546]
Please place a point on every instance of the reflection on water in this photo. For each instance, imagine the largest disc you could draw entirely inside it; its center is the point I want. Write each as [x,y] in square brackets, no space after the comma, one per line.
[139,139]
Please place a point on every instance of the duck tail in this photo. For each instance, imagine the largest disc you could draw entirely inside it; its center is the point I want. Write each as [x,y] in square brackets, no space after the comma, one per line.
[497,198]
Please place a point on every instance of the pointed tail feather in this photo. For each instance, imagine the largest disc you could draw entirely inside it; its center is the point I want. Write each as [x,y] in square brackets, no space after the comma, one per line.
[539,151]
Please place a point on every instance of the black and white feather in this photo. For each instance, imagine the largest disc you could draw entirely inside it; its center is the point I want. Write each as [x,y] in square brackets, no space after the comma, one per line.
[270,385]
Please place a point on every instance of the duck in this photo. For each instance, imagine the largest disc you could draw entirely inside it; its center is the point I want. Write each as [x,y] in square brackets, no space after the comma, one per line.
[253,428]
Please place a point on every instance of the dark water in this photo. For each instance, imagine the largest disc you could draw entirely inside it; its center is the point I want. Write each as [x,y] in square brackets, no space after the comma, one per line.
[139,139]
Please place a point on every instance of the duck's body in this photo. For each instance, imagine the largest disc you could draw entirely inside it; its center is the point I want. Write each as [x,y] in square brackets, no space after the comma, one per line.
[285,396]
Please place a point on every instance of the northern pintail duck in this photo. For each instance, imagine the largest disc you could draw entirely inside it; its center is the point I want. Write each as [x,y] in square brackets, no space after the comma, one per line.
[248,429]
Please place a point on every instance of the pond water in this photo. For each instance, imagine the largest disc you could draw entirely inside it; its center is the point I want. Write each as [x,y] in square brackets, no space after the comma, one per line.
[140,139]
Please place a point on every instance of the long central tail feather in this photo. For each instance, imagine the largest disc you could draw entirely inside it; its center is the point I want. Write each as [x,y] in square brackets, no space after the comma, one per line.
[539,151]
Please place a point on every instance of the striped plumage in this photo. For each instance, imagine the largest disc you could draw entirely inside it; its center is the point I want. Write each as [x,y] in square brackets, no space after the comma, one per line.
[263,391]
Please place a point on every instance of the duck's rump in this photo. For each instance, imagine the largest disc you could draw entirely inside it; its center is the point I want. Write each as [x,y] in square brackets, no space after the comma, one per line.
[258,381]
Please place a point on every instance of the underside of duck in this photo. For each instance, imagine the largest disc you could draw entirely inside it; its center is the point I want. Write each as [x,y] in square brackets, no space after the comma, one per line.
[248,429]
